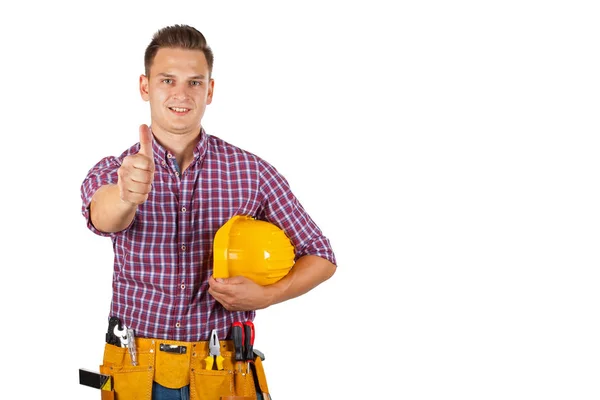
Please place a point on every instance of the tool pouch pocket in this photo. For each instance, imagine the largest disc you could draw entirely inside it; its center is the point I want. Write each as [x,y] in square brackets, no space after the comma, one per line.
[210,384]
[207,384]
[244,382]
[172,368]
[130,382]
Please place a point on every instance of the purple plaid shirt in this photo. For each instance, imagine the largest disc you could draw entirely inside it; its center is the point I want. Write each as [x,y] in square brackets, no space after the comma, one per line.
[163,259]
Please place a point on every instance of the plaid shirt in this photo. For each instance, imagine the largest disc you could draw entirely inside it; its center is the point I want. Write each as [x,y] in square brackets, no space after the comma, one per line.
[164,258]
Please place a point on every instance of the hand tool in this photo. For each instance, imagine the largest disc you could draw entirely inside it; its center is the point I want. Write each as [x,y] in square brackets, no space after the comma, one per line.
[131,346]
[95,379]
[120,335]
[248,344]
[117,332]
[237,334]
[250,353]
[214,352]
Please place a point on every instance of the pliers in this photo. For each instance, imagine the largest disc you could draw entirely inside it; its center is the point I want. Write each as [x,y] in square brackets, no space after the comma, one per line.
[214,352]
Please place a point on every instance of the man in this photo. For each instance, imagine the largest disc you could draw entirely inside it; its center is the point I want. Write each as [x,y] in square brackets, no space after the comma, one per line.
[162,202]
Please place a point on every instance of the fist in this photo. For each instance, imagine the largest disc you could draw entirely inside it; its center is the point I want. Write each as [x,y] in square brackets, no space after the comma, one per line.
[136,173]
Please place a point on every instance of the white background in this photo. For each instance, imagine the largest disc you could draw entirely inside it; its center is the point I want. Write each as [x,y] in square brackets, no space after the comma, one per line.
[449,150]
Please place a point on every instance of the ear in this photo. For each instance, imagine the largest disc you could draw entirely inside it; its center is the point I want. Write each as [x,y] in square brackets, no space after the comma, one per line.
[211,88]
[144,87]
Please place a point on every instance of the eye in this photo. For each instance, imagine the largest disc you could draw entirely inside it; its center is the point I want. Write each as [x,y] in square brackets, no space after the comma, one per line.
[167,81]
[195,83]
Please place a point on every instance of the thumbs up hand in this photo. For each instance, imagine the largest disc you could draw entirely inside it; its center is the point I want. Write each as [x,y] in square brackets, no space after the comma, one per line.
[136,173]
[146,143]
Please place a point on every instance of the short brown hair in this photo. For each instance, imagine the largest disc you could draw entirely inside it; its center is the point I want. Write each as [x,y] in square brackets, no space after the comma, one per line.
[178,36]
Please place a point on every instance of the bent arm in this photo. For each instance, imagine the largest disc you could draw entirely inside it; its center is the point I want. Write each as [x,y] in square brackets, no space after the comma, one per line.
[308,272]
[108,213]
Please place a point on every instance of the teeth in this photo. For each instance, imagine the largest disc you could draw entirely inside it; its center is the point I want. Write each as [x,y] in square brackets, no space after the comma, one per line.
[179,109]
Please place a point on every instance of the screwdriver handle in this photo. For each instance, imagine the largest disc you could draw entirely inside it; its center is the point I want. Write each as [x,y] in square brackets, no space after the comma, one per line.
[237,334]
[249,340]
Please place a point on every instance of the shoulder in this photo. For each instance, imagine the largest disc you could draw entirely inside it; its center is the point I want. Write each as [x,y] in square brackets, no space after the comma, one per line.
[222,149]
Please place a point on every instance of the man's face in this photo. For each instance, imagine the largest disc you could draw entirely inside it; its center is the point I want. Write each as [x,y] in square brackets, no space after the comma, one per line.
[178,89]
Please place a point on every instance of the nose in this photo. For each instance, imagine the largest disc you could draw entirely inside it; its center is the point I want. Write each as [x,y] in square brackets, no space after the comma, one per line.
[180,92]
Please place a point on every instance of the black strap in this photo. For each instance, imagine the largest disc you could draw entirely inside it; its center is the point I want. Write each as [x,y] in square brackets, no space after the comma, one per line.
[259,391]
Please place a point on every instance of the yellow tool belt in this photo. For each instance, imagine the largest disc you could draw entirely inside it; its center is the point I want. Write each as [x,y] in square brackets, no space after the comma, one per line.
[177,369]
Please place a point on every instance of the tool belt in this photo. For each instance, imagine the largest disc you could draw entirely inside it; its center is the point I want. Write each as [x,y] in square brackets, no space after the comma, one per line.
[175,364]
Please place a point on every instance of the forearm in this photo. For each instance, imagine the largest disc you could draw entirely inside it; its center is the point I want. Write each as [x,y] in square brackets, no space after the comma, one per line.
[108,212]
[308,272]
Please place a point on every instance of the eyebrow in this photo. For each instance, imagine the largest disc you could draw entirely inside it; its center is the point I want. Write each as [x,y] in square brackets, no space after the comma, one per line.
[173,76]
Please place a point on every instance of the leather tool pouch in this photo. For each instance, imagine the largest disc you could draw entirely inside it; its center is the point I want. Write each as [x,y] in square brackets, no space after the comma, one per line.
[130,382]
[175,369]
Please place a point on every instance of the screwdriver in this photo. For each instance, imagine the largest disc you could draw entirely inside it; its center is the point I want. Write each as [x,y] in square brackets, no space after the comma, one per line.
[131,346]
[249,334]
[237,334]
[248,343]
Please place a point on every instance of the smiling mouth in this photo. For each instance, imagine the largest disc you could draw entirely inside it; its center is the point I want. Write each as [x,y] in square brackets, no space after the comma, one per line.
[179,109]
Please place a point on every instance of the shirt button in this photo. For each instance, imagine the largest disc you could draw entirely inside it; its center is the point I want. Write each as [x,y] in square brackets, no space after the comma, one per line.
[163,164]
[178,325]
[177,173]
[183,247]
[183,286]
[169,155]
[183,209]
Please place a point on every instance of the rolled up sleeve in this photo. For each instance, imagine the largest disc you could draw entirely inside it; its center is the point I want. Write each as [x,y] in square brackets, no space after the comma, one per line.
[103,173]
[281,207]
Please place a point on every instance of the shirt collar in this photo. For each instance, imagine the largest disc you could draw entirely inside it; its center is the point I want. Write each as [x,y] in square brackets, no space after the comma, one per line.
[161,154]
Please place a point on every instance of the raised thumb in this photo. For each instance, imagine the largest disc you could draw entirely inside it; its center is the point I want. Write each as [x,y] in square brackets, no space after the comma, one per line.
[146,142]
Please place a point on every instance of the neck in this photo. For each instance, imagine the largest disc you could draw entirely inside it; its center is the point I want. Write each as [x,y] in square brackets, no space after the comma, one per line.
[181,145]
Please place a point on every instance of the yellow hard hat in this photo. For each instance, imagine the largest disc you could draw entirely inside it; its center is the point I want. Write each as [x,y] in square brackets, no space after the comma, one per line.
[258,250]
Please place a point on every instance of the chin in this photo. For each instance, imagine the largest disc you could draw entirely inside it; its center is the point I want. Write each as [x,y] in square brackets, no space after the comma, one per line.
[178,128]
